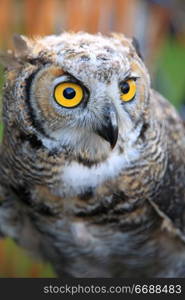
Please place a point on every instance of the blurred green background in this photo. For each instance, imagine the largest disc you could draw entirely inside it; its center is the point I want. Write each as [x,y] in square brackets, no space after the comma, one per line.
[159,25]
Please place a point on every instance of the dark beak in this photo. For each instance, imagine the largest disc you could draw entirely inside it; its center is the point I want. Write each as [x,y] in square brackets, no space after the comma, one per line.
[109,128]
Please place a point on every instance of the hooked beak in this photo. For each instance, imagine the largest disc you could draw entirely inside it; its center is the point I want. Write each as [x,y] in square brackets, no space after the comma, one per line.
[109,127]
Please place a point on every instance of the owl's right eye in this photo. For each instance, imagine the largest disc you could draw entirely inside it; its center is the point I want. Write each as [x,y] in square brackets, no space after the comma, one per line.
[68,94]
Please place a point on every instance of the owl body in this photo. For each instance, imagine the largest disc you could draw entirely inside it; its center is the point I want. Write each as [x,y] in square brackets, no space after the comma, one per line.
[92,159]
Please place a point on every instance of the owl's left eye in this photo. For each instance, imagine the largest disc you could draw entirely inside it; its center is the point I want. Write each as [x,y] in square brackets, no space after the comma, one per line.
[128,90]
[68,94]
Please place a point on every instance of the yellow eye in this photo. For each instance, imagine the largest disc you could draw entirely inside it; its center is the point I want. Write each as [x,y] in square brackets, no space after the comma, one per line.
[68,94]
[128,90]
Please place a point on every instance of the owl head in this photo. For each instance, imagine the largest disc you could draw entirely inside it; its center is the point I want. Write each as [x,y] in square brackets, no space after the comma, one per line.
[84,94]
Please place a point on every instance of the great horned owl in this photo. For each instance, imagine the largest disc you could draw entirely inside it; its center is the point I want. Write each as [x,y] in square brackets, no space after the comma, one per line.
[92,163]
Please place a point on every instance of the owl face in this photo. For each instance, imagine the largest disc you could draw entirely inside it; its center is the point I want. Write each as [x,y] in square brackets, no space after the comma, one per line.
[85,93]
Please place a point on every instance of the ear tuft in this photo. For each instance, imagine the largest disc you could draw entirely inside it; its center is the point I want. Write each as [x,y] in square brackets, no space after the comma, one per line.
[136,45]
[14,59]
[20,45]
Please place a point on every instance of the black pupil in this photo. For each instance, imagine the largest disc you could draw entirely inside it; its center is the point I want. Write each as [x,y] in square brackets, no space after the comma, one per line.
[125,87]
[69,93]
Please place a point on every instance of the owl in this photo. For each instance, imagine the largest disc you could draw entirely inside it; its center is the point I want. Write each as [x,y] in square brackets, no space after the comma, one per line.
[92,161]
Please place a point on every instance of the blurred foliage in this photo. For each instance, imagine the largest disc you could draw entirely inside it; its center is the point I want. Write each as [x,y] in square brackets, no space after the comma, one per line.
[15,263]
[149,20]
[170,75]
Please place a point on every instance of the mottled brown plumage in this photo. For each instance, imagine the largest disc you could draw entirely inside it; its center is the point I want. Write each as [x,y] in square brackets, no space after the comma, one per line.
[97,189]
